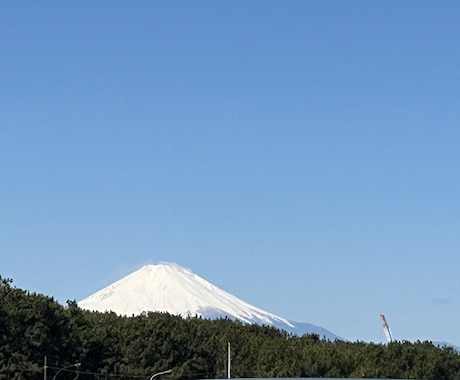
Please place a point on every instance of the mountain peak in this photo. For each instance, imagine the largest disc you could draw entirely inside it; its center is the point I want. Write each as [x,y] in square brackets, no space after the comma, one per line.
[168,287]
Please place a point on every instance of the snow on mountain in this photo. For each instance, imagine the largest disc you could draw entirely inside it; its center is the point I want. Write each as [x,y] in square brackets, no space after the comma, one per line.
[170,288]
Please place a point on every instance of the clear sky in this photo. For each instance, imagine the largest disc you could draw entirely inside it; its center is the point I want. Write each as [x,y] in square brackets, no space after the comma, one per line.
[301,155]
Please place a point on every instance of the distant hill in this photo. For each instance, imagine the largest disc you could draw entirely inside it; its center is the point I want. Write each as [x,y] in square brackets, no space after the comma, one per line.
[445,344]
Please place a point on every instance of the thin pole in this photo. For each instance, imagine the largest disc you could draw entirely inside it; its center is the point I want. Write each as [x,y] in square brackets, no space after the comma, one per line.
[229,362]
[44,369]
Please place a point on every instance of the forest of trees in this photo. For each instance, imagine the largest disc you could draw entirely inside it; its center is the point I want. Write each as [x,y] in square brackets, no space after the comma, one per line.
[106,346]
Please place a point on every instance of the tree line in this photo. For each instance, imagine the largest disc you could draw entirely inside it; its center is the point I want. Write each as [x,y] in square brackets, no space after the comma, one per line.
[42,339]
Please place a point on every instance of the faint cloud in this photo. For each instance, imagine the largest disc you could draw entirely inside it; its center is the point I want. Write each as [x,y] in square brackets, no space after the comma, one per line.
[441,301]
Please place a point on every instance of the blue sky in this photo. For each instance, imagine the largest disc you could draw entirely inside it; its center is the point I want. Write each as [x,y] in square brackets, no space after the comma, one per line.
[301,155]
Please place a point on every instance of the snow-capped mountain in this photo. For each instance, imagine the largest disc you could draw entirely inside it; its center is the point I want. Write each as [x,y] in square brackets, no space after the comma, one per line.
[170,288]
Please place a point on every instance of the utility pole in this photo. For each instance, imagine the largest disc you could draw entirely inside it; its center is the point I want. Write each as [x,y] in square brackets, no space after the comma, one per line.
[44,369]
[228,361]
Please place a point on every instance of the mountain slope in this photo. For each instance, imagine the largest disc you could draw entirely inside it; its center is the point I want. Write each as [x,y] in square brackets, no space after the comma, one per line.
[175,290]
